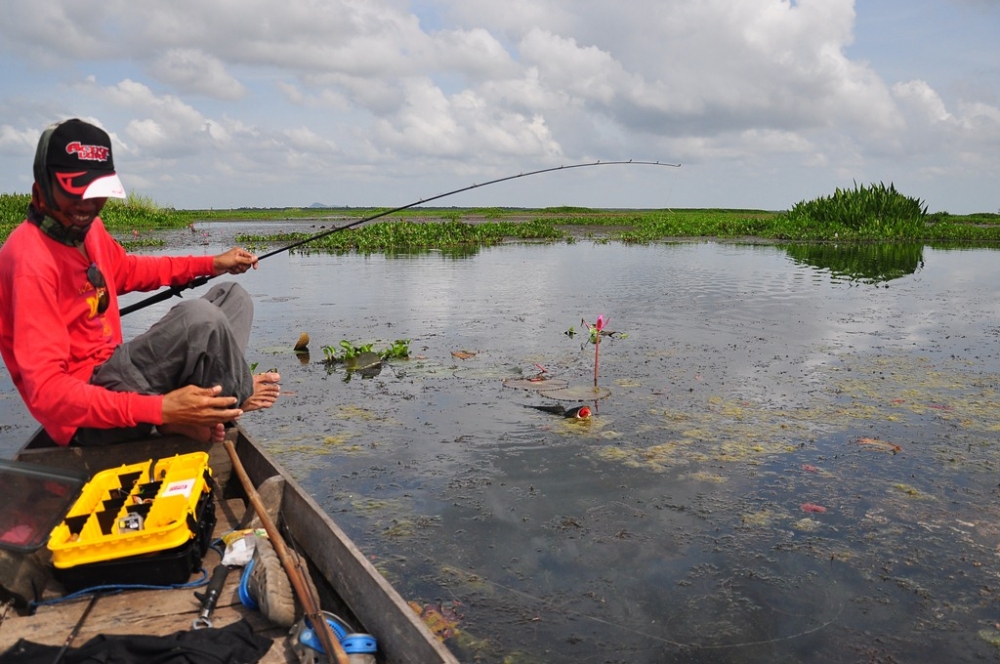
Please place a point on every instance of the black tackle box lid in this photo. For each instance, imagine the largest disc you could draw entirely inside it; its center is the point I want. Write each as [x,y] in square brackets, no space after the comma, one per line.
[33,500]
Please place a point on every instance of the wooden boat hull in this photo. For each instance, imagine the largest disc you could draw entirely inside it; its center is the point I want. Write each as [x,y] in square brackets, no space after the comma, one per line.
[348,583]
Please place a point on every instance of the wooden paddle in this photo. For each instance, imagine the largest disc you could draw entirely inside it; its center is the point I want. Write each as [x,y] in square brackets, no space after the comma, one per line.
[331,644]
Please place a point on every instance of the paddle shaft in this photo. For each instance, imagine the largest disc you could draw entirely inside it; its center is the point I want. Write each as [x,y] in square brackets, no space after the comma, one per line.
[176,290]
[331,644]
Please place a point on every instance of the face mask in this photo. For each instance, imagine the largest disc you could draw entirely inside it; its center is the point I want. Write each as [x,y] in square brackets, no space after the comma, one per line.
[72,236]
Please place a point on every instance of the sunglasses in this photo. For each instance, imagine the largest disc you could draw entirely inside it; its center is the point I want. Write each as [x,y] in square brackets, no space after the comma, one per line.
[96,280]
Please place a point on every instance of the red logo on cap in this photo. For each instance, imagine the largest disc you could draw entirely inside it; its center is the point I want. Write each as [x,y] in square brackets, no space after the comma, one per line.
[66,182]
[88,152]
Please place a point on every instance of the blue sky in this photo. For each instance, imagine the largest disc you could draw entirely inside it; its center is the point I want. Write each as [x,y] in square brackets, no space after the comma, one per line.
[215,104]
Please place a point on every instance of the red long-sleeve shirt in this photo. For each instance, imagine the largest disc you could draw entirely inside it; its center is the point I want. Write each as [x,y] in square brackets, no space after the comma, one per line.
[51,336]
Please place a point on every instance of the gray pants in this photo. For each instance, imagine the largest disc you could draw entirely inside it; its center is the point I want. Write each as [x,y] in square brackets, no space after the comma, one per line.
[199,342]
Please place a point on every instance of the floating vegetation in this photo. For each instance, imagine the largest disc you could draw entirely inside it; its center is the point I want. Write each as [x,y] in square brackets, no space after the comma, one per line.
[349,412]
[576,393]
[409,528]
[424,368]
[338,440]
[991,636]
[134,244]
[908,490]
[742,429]
[807,525]
[762,519]
[440,619]
[535,384]
[657,458]
[350,350]
[480,373]
[705,476]
[630,383]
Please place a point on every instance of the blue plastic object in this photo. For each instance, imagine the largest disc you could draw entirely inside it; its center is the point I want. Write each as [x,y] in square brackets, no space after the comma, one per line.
[352,643]
[359,643]
[244,592]
[308,637]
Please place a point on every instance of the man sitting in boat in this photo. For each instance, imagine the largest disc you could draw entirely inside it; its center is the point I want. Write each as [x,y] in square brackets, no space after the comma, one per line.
[61,274]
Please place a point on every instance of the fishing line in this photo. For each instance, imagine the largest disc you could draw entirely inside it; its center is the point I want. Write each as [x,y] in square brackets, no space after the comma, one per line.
[177,290]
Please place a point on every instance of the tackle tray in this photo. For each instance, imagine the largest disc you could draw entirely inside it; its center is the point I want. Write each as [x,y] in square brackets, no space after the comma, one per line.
[144,523]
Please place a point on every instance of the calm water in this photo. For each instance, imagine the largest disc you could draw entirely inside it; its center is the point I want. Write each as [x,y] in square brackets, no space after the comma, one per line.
[790,464]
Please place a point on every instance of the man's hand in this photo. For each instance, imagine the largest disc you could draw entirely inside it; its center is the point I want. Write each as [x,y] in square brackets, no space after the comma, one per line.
[201,406]
[234,261]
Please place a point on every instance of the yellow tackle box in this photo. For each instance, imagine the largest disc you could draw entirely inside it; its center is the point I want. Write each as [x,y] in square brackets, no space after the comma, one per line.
[144,523]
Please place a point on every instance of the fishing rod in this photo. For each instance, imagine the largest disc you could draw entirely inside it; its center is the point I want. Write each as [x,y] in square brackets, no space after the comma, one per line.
[177,290]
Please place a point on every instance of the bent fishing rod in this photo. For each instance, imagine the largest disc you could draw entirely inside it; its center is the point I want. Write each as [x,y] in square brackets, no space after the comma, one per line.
[173,291]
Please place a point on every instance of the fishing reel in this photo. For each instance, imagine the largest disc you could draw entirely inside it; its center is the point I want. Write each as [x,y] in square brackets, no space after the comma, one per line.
[308,648]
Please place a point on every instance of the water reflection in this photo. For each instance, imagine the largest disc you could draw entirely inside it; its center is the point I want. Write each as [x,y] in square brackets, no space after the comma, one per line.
[869,263]
[736,497]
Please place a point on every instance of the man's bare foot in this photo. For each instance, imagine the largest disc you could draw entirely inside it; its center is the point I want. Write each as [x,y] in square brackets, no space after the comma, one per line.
[203,434]
[265,392]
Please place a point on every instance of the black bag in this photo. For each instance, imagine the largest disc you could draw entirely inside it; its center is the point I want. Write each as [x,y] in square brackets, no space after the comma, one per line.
[233,644]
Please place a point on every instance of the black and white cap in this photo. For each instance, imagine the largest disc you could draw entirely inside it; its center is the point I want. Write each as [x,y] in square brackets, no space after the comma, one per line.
[77,156]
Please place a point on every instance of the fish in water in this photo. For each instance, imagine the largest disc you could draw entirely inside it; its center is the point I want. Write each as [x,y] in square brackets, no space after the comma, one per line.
[580,412]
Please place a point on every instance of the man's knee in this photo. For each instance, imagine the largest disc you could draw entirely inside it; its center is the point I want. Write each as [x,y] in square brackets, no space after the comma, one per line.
[237,306]
[228,294]
[201,317]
